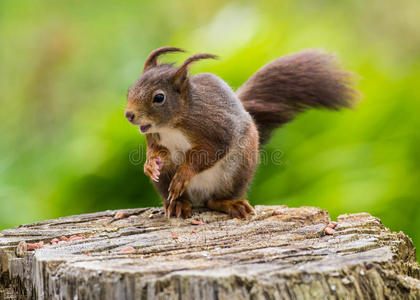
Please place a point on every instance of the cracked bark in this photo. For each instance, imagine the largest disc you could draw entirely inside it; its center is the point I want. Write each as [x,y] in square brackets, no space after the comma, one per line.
[285,256]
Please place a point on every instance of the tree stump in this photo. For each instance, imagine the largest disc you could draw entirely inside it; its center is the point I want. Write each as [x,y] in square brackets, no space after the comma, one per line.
[140,254]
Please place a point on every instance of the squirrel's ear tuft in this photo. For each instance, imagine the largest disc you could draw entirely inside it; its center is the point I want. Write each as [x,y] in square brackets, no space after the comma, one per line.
[151,60]
[181,73]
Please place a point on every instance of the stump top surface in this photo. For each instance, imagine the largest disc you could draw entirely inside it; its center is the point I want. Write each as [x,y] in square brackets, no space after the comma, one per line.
[289,246]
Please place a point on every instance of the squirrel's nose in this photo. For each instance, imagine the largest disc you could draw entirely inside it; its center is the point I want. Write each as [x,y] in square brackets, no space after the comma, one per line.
[129,115]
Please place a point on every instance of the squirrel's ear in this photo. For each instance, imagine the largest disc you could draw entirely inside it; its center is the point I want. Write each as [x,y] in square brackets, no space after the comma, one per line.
[151,60]
[181,74]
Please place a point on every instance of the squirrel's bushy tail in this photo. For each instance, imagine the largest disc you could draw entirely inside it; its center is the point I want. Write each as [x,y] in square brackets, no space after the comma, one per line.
[292,84]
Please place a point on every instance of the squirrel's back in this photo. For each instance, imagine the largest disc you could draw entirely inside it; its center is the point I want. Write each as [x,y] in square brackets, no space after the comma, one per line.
[292,84]
[212,91]
[213,100]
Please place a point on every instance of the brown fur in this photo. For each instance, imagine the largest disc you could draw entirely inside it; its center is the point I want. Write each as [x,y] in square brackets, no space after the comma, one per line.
[291,84]
[202,119]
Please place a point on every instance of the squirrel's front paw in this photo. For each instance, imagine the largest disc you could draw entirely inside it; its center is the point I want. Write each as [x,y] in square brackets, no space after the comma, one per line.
[178,208]
[177,187]
[179,183]
[152,168]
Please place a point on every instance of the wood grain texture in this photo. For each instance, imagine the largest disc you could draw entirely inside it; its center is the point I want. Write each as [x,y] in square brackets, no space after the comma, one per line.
[284,256]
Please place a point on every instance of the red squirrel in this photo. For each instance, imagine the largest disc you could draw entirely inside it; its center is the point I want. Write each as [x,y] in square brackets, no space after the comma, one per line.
[203,138]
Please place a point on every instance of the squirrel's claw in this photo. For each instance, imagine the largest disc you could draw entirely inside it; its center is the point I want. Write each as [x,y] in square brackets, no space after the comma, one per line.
[152,168]
[177,187]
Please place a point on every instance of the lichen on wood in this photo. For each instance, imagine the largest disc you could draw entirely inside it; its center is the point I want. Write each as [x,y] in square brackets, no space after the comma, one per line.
[279,253]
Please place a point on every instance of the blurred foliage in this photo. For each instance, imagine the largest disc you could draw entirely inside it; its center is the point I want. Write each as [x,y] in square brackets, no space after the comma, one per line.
[65,67]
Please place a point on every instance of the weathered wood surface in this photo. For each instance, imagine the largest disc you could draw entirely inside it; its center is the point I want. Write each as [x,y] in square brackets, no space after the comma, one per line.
[265,257]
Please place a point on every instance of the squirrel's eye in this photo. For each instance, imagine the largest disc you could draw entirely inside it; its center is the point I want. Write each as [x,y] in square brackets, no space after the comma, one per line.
[159,98]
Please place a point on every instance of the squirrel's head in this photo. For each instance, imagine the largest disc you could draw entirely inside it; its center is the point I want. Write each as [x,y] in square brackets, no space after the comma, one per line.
[161,95]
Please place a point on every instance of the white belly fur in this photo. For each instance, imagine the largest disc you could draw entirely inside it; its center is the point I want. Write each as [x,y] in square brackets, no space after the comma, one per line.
[203,184]
[176,142]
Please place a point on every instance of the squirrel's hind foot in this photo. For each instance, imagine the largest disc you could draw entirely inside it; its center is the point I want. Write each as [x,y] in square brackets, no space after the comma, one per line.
[235,208]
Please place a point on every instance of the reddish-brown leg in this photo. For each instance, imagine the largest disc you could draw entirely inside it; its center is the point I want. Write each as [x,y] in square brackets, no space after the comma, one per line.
[180,182]
[235,208]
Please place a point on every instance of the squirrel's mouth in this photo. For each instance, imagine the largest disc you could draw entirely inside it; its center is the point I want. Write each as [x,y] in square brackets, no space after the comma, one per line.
[145,128]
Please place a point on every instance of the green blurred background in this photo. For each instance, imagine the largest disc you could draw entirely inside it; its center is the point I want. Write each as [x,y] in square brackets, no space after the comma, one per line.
[65,67]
